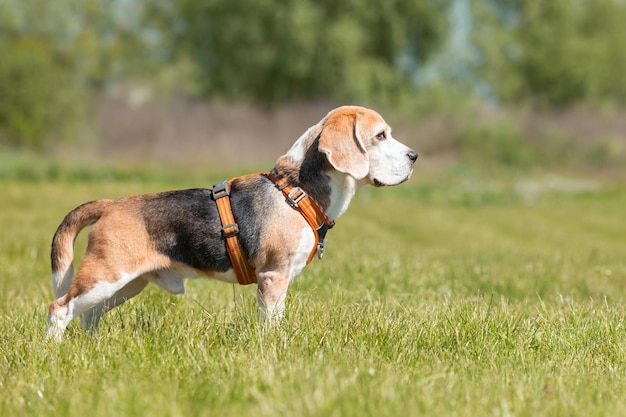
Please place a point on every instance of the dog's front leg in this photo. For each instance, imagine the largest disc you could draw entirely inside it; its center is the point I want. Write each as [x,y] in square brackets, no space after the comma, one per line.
[271,294]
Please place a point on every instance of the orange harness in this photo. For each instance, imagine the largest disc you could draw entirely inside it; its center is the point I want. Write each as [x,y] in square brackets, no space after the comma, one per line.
[295,196]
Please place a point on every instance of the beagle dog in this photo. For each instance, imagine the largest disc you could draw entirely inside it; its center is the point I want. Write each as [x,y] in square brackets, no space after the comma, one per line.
[164,237]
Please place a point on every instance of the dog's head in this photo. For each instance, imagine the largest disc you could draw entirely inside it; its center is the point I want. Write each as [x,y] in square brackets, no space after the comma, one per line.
[358,142]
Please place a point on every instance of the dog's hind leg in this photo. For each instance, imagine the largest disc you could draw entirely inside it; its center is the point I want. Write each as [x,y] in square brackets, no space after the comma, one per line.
[90,319]
[85,293]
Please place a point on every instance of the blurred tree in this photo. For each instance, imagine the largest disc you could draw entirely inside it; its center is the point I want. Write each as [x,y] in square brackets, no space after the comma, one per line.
[55,52]
[272,50]
[36,93]
[557,52]
[32,71]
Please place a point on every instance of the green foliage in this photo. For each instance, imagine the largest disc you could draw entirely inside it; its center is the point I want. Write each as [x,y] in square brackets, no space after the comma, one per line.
[513,142]
[38,96]
[555,52]
[269,51]
[500,143]
[415,57]
[53,53]
[41,95]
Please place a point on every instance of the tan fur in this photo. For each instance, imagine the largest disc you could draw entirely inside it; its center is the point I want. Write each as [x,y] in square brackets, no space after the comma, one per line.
[347,155]
[117,233]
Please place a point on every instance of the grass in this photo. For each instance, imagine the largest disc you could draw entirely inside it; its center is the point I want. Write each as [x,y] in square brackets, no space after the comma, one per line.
[450,295]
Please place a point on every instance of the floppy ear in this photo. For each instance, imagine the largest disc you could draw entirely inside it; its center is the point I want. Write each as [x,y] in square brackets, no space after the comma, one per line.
[341,142]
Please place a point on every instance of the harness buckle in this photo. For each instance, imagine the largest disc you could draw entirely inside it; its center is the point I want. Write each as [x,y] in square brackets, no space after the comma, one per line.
[320,248]
[230,230]
[221,190]
[296,194]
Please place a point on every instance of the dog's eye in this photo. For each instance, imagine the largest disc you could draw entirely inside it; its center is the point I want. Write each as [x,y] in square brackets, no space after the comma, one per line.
[381,136]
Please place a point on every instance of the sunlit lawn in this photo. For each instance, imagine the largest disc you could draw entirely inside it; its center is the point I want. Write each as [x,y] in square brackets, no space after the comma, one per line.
[446,296]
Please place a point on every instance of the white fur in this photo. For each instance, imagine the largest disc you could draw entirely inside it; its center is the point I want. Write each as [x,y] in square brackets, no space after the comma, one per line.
[298,149]
[107,295]
[62,279]
[342,189]
[389,163]
[101,292]
[271,314]
[173,280]
[307,240]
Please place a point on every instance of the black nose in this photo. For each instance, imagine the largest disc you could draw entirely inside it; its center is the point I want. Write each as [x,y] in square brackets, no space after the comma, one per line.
[412,156]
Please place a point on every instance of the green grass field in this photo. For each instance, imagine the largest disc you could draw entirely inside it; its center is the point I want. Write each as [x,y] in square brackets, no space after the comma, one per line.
[451,295]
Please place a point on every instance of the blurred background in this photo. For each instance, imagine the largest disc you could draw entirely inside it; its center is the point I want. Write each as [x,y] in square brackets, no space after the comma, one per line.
[524,84]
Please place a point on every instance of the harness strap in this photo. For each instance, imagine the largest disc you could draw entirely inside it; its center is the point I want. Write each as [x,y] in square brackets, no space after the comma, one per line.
[310,209]
[297,198]
[244,272]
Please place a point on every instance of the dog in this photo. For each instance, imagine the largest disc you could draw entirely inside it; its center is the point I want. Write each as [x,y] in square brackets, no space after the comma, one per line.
[165,237]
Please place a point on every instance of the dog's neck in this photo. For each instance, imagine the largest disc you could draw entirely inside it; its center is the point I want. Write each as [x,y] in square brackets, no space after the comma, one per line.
[307,168]
[342,189]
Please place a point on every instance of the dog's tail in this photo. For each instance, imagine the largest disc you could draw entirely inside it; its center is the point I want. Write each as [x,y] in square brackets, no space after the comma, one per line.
[62,254]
